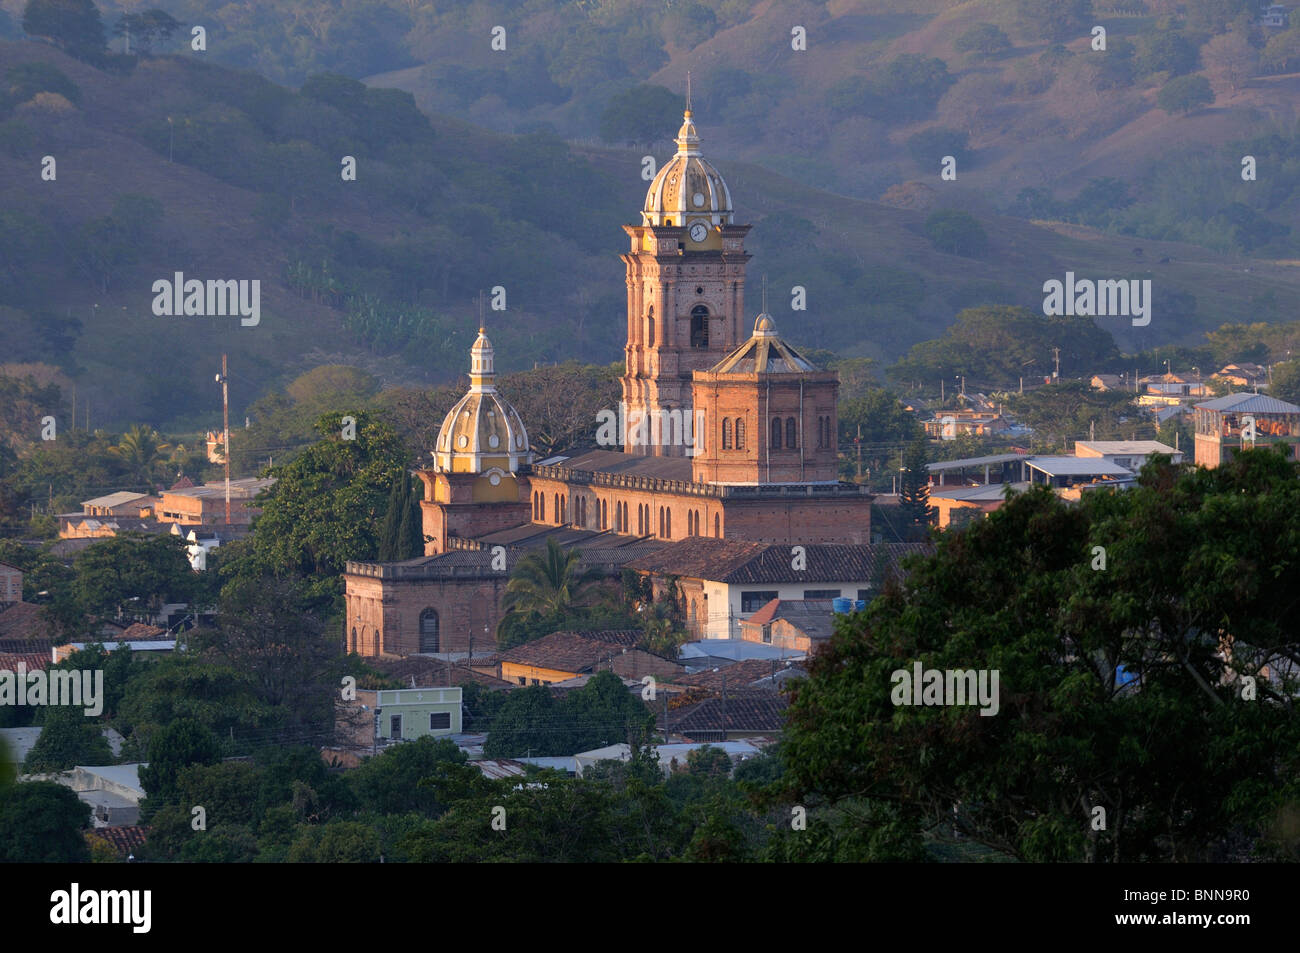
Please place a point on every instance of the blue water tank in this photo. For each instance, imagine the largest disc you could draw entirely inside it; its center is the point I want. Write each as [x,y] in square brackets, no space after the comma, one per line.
[859,605]
[842,605]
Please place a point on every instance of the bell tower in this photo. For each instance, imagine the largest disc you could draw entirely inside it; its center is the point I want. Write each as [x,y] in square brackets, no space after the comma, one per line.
[685,297]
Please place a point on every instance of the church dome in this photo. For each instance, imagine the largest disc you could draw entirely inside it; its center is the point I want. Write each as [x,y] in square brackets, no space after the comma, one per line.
[764,353]
[687,187]
[483,432]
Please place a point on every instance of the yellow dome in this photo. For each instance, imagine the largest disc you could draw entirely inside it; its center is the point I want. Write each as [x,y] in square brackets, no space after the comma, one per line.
[482,432]
[688,188]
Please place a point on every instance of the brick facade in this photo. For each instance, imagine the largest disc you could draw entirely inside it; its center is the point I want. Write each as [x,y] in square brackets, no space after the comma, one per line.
[384,614]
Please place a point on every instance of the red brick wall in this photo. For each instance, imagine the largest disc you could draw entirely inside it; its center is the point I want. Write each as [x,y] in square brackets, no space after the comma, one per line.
[386,618]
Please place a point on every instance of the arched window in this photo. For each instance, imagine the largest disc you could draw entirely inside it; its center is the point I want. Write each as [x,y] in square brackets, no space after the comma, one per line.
[650,326]
[699,326]
[775,442]
[661,521]
[740,433]
[791,440]
[726,433]
[352,644]
[668,524]
[541,507]
[717,525]
[429,631]
[564,509]
[692,610]
[556,510]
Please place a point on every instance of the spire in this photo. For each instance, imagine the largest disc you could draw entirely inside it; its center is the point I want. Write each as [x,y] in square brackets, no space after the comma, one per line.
[688,94]
[764,293]
[482,374]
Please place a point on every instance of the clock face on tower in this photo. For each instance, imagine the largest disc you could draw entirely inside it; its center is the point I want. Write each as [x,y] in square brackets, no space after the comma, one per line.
[698,232]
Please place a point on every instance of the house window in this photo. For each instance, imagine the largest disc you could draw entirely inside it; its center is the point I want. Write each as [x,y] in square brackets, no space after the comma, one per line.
[740,433]
[726,433]
[699,326]
[522,680]
[864,595]
[439,720]
[429,631]
[821,593]
[776,433]
[395,727]
[753,601]
[717,525]
[790,441]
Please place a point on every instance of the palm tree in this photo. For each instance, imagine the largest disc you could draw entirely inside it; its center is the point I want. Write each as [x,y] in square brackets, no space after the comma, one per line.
[548,583]
[140,450]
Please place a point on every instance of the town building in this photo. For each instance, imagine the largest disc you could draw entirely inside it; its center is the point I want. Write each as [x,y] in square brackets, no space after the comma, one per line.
[377,717]
[1226,424]
[11,585]
[721,433]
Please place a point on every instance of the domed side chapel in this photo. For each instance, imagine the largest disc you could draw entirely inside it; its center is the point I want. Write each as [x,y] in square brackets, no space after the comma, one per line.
[728,434]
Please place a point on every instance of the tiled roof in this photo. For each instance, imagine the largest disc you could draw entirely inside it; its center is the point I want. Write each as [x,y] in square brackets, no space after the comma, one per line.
[749,673]
[143,632]
[748,711]
[24,621]
[612,461]
[33,661]
[815,618]
[432,672]
[125,840]
[739,562]
[568,651]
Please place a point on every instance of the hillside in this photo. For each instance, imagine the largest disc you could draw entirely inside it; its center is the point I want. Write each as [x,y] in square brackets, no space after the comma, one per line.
[383,272]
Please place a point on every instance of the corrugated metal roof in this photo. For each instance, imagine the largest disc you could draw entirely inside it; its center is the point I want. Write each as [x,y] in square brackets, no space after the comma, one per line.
[115,499]
[991,491]
[1078,466]
[1250,404]
[975,461]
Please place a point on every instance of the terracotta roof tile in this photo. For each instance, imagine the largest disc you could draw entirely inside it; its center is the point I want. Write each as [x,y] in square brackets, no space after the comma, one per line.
[747,711]
[34,661]
[570,651]
[741,562]
[750,672]
[124,840]
[24,621]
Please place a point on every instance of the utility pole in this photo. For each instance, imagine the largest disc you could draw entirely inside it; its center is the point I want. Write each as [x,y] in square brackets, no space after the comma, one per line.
[858,441]
[225,415]
[1056,355]
[941,394]
[1092,430]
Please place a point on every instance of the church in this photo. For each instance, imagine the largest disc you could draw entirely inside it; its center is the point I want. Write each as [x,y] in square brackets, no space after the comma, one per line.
[727,433]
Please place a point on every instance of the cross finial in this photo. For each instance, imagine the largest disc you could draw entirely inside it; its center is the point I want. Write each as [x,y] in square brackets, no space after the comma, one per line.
[688,92]
[482,327]
[765,292]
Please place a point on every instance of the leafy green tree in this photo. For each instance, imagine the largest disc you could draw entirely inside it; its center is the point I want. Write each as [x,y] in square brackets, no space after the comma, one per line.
[1285,383]
[42,822]
[325,508]
[914,496]
[223,844]
[1165,51]
[1068,410]
[402,535]
[642,115]
[145,29]
[1092,665]
[132,571]
[1054,20]
[339,842]
[141,450]
[1185,94]
[957,233]
[983,39]
[72,25]
[25,80]
[548,583]
[390,782]
[185,687]
[173,748]
[708,762]
[1282,52]
[67,739]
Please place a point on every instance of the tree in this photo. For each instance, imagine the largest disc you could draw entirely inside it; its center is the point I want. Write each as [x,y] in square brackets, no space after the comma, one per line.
[173,748]
[401,536]
[914,497]
[262,631]
[1282,52]
[1285,383]
[1165,51]
[41,822]
[72,25]
[389,783]
[1185,94]
[708,762]
[1067,410]
[131,572]
[983,39]
[1230,60]
[68,738]
[140,451]
[1215,15]
[957,233]
[641,115]
[1054,20]
[146,29]
[1091,666]
[549,583]
[325,508]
